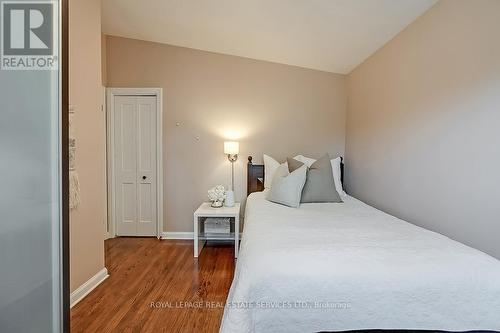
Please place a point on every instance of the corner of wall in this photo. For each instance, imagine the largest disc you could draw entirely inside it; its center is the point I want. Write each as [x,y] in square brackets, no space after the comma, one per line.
[87,220]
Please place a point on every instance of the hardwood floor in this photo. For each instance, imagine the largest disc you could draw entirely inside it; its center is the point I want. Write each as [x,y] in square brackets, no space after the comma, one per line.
[157,286]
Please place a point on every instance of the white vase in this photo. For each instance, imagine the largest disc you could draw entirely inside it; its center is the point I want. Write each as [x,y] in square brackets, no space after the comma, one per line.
[229,202]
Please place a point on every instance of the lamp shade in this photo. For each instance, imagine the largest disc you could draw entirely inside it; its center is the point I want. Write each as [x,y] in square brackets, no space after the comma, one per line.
[231,147]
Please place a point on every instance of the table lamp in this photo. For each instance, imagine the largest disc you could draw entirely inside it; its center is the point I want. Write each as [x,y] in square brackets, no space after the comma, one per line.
[231,149]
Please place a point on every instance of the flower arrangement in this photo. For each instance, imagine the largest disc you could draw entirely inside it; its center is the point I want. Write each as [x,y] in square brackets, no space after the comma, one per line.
[217,195]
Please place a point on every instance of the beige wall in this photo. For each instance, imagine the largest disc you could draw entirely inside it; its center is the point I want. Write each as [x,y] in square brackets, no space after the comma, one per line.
[104,77]
[87,222]
[423,128]
[277,109]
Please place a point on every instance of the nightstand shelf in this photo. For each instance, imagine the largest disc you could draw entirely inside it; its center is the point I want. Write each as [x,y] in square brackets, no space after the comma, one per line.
[204,211]
[211,236]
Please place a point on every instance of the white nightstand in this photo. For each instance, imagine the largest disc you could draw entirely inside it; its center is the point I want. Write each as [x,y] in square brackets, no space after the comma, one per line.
[205,211]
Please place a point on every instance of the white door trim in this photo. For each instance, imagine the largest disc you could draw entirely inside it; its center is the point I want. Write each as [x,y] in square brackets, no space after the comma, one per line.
[110,94]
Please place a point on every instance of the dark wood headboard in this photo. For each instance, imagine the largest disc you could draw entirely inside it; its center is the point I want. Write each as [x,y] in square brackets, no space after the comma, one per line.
[255,176]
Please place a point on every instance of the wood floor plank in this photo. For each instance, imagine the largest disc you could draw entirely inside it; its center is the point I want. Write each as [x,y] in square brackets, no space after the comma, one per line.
[157,286]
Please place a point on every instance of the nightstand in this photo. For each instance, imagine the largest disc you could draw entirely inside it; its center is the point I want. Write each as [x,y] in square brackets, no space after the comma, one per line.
[205,211]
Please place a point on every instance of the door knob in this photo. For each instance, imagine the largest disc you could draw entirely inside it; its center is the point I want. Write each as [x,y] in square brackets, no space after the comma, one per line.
[144,177]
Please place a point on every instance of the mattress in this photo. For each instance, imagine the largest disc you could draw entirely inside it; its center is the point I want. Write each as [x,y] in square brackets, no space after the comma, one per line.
[348,266]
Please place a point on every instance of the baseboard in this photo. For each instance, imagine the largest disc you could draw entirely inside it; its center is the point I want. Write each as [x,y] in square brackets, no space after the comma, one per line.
[177,235]
[88,286]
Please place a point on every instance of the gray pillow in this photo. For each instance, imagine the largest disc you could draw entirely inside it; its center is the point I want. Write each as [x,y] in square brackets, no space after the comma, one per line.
[320,184]
[286,187]
[293,164]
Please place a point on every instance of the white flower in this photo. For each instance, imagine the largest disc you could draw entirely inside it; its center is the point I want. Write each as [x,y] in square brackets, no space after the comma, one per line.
[217,193]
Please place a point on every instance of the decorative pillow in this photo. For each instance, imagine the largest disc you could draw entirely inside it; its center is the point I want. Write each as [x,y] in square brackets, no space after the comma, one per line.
[270,167]
[337,176]
[294,164]
[320,185]
[337,173]
[306,160]
[286,188]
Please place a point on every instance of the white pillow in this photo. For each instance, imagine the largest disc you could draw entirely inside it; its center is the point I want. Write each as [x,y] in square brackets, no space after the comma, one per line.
[270,166]
[337,175]
[306,160]
[335,169]
[287,187]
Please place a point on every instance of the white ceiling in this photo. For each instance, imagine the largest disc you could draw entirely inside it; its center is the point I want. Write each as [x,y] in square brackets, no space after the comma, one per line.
[329,35]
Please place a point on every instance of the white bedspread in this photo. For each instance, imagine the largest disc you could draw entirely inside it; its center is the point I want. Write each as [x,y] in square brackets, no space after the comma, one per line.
[364,269]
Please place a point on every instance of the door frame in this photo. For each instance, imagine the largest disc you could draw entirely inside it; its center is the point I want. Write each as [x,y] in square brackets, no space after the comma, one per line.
[110,133]
[64,165]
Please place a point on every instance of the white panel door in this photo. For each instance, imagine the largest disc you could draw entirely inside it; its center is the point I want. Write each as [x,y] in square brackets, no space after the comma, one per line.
[146,165]
[135,165]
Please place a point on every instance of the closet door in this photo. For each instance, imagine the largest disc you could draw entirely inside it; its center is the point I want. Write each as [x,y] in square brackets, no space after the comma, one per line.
[146,166]
[125,151]
[135,165]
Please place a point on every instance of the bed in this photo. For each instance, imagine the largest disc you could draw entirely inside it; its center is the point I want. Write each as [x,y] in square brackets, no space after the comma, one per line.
[340,267]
